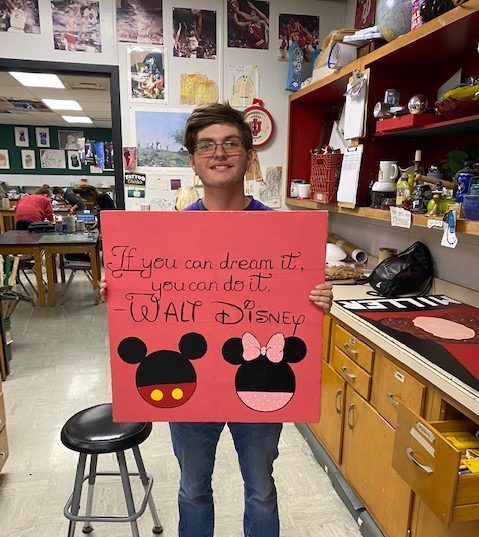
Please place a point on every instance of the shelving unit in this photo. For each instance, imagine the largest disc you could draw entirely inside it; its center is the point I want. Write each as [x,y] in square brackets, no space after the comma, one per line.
[417,62]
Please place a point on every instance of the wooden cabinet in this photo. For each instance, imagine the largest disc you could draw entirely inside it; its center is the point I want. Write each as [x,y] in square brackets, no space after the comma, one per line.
[3,431]
[417,62]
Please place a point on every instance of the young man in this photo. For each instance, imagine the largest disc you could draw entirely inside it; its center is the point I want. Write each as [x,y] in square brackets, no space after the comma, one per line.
[220,149]
[34,208]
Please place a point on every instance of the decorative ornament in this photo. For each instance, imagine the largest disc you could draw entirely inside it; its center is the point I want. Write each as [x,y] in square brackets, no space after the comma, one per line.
[417,104]
[261,123]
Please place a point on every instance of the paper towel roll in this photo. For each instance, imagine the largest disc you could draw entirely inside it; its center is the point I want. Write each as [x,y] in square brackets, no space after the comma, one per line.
[341,54]
[355,253]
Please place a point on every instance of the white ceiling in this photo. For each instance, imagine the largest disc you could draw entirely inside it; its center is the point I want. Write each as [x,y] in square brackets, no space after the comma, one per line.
[92,92]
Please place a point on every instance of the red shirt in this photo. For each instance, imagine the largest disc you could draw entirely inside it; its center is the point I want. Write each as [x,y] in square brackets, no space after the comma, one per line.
[33,208]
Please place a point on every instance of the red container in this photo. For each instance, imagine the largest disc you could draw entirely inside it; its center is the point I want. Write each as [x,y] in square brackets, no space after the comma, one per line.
[325,171]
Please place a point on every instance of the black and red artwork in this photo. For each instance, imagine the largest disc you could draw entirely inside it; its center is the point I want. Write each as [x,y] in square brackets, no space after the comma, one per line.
[439,328]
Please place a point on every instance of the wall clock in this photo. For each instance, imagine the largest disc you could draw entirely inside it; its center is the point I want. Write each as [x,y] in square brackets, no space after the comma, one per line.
[261,124]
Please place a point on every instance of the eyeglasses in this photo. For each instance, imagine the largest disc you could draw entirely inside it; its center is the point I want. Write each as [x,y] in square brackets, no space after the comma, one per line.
[207,148]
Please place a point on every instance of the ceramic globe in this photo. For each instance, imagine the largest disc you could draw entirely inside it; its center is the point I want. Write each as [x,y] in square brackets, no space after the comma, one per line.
[393,17]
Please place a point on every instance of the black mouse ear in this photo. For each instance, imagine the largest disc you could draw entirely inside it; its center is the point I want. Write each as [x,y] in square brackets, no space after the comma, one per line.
[132,350]
[294,349]
[233,350]
[193,346]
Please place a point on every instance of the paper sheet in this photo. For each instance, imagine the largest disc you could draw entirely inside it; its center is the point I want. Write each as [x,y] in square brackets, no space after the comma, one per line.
[355,107]
[348,180]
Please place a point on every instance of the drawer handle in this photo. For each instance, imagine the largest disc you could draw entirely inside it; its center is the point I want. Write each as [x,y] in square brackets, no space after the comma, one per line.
[351,413]
[3,455]
[423,467]
[348,350]
[350,375]
[392,399]
[337,400]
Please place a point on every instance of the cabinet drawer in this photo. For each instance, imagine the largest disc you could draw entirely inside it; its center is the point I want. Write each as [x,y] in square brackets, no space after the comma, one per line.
[2,412]
[326,337]
[391,386]
[356,349]
[429,464]
[3,447]
[351,372]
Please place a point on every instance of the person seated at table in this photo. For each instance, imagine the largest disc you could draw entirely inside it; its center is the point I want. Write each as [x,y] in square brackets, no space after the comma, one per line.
[34,208]
[74,199]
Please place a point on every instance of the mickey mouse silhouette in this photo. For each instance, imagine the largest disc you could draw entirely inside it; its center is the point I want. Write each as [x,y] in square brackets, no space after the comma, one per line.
[165,378]
[264,380]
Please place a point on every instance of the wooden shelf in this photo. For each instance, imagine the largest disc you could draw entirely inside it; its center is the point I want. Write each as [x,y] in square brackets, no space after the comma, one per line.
[470,227]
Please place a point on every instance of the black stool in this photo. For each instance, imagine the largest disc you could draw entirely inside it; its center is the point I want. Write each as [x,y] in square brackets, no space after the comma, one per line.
[92,432]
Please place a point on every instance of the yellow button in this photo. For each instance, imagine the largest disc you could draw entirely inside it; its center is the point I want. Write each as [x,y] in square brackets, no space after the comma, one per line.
[156,395]
[177,393]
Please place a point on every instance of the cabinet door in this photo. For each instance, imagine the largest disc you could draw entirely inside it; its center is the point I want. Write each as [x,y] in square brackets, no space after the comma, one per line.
[326,336]
[426,524]
[366,463]
[329,428]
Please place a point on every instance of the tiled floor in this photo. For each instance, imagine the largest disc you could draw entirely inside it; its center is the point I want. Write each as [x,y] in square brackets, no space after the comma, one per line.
[60,365]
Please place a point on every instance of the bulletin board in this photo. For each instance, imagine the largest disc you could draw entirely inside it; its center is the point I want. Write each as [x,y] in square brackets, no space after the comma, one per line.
[209,315]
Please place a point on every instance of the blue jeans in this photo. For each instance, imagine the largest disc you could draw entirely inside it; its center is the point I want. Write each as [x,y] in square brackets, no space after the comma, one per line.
[195,444]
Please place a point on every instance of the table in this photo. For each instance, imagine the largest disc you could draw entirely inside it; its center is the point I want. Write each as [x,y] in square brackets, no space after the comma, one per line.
[7,217]
[23,242]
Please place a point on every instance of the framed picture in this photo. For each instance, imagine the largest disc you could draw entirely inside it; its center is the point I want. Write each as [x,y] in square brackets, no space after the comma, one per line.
[52,158]
[28,159]
[69,139]
[43,137]
[146,74]
[4,160]
[74,162]
[21,137]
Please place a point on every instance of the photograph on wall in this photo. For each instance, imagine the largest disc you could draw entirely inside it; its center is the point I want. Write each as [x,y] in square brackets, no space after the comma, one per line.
[19,16]
[365,13]
[139,21]
[70,140]
[135,192]
[76,25]
[159,139]
[4,160]
[248,24]
[52,158]
[129,158]
[300,29]
[28,159]
[197,88]
[21,137]
[146,71]
[244,84]
[194,33]
[43,136]
[74,162]
[108,150]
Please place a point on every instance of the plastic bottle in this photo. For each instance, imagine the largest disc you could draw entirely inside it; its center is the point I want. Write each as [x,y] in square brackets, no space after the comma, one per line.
[402,189]
[462,180]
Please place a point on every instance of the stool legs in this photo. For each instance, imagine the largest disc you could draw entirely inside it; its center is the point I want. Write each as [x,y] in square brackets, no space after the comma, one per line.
[75,508]
[125,479]
[87,527]
[157,527]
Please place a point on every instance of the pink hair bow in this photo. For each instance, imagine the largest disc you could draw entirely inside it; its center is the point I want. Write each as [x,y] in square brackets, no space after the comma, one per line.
[273,350]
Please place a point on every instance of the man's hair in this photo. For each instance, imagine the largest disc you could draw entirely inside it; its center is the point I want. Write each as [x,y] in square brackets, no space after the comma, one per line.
[214,114]
[57,190]
[44,191]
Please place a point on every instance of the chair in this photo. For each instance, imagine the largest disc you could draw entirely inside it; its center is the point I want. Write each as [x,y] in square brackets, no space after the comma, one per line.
[75,263]
[93,432]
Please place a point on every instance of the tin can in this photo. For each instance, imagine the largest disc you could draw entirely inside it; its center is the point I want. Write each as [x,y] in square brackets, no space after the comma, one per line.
[392,97]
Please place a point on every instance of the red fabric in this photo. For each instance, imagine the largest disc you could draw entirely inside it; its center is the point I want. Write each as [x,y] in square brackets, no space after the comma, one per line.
[34,208]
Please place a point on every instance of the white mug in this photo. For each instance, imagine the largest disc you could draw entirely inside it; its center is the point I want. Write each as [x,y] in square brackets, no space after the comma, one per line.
[304,190]
[388,170]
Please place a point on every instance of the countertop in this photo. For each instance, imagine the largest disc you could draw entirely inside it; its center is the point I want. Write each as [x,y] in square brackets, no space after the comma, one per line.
[450,385]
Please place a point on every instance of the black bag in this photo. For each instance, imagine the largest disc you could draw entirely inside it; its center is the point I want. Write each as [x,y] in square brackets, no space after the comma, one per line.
[409,273]
[41,227]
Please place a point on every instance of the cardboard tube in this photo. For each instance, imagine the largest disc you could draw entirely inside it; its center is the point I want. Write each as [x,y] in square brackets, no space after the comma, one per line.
[355,253]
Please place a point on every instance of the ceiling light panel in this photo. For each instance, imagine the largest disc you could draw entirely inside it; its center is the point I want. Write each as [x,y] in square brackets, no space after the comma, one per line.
[38,80]
[77,119]
[62,104]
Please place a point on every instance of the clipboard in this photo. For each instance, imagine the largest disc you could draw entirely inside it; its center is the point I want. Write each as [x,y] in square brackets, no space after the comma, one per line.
[355,106]
[349,178]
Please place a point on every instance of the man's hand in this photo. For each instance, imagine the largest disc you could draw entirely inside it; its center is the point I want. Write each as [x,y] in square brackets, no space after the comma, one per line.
[322,296]
[103,288]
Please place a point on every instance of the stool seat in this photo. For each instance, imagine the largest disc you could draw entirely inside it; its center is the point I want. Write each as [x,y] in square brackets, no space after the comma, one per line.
[92,431]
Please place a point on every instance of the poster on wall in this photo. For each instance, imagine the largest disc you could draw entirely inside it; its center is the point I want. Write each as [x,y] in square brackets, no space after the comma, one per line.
[213,330]
[159,137]
[129,158]
[74,162]
[300,29]
[21,137]
[146,73]
[244,84]
[70,140]
[42,135]
[365,13]
[248,24]
[76,25]
[18,16]
[194,33]
[139,21]
[52,158]
[28,159]
[4,160]
[135,179]
[197,89]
